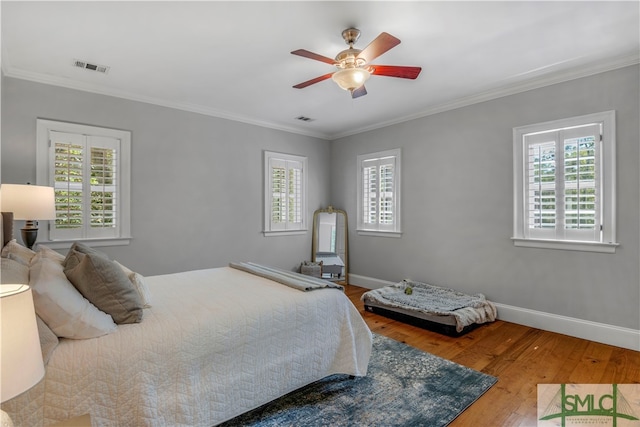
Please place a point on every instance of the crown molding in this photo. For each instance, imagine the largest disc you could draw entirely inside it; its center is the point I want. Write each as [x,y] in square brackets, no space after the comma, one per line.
[510,89]
[193,108]
[502,91]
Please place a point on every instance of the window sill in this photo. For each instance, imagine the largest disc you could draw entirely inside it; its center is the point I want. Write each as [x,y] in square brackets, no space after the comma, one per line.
[284,233]
[65,244]
[567,245]
[394,234]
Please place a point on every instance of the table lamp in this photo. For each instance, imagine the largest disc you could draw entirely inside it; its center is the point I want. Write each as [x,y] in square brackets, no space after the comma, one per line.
[21,365]
[30,203]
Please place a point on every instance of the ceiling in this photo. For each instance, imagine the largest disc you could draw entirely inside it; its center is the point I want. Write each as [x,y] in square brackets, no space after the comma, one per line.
[232,59]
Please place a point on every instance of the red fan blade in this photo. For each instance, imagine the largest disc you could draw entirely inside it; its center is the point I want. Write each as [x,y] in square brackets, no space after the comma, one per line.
[312,81]
[311,55]
[357,93]
[377,47]
[396,71]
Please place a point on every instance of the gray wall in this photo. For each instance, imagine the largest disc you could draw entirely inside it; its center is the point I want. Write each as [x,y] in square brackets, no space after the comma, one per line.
[197,193]
[457,201]
[197,181]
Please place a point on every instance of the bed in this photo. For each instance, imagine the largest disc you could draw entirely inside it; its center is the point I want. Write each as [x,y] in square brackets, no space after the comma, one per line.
[435,308]
[210,345]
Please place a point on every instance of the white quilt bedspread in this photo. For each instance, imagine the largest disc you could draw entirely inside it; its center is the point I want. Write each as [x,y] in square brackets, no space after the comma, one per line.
[214,344]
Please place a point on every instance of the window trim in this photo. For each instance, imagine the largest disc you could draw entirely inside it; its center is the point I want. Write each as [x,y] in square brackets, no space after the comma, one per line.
[43,127]
[267,230]
[361,227]
[608,243]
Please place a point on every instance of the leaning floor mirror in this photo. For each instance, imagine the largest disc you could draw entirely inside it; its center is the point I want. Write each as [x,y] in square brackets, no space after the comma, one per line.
[330,245]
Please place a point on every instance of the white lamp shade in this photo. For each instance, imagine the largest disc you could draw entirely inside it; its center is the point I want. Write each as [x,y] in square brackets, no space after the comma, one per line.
[28,202]
[21,365]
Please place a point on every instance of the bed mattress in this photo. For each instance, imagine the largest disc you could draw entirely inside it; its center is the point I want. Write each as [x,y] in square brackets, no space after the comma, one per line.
[215,343]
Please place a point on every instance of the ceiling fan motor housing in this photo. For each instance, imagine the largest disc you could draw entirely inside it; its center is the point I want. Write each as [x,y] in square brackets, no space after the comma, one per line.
[348,58]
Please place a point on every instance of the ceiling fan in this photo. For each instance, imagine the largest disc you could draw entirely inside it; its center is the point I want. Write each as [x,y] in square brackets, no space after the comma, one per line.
[354,65]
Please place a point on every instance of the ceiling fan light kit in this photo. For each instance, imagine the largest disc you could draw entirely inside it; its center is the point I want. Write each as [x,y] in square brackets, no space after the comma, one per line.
[351,78]
[353,69]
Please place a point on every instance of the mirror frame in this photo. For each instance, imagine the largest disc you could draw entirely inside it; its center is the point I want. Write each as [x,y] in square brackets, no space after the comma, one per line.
[314,242]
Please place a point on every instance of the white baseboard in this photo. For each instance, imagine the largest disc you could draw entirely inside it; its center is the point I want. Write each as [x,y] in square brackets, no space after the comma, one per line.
[585,329]
[367,282]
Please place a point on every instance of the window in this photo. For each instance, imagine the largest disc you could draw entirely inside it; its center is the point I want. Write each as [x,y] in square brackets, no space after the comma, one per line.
[89,169]
[379,193]
[564,174]
[285,201]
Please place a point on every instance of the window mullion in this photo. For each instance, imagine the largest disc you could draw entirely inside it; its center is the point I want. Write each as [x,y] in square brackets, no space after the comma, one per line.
[560,187]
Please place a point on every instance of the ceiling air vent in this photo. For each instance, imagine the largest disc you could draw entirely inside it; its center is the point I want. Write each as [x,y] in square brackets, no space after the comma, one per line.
[91,67]
[304,119]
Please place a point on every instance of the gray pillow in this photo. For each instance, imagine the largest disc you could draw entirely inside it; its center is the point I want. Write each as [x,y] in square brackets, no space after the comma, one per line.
[61,306]
[72,259]
[72,255]
[103,282]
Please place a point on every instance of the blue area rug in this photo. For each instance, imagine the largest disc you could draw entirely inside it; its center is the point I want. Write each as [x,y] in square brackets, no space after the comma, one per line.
[404,387]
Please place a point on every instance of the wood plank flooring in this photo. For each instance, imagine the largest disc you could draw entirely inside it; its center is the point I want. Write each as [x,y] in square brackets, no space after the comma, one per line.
[519,356]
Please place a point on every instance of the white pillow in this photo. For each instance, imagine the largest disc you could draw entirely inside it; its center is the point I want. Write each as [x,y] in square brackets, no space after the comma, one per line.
[62,307]
[47,252]
[13,272]
[16,251]
[48,340]
[139,284]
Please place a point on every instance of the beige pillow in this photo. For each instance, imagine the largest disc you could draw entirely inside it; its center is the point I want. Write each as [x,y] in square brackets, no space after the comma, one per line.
[62,307]
[139,283]
[48,340]
[16,251]
[104,283]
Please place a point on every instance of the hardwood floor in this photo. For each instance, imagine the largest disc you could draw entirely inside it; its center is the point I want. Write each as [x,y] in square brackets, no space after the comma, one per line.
[519,356]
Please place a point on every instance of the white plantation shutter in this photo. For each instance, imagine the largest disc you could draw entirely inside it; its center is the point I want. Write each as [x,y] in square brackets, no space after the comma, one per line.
[379,192]
[285,187]
[387,191]
[541,187]
[68,152]
[294,195]
[582,183]
[562,184]
[370,194]
[85,181]
[104,186]
[278,192]
[565,184]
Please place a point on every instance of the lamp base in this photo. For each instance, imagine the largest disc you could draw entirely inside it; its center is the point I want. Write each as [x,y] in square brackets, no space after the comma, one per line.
[29,233]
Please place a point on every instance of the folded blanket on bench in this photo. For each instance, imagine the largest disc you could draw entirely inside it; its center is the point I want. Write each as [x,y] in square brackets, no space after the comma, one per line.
[288,278]
[430,299]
